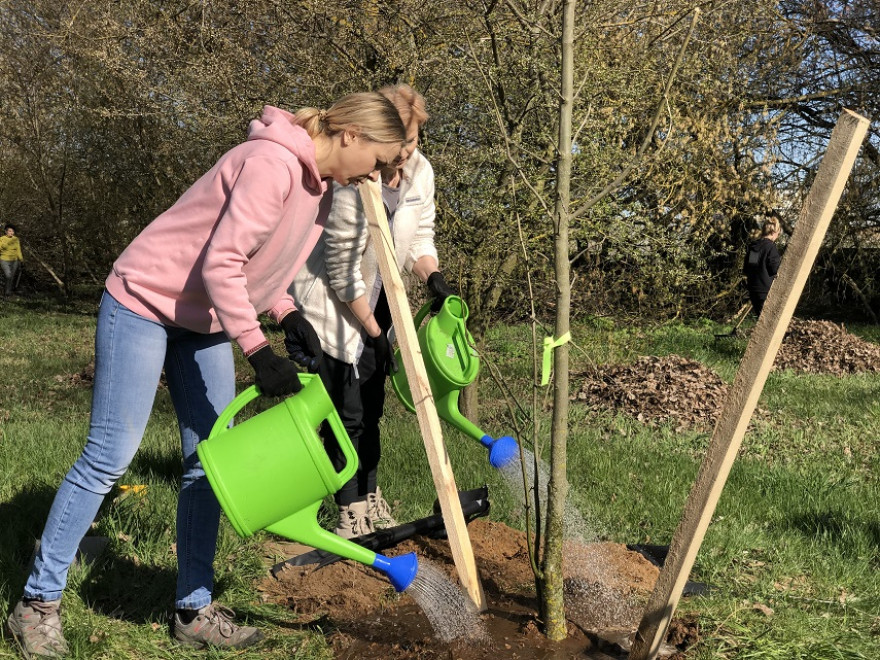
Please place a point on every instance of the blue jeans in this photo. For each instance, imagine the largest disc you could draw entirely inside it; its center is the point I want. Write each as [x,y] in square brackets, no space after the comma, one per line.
[130,353]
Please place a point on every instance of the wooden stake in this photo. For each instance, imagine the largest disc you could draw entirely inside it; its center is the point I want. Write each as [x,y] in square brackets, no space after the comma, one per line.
[423,399]
[843,147]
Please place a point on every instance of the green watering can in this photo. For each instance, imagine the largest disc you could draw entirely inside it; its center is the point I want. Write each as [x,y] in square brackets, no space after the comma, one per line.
[271,472]
[452,364]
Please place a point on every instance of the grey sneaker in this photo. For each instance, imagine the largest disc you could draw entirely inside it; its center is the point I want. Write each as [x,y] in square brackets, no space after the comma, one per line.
[213,626]
[379,511]
[354,520]
[36,627]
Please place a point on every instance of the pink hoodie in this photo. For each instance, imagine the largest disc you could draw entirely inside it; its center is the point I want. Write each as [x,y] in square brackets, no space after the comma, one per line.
[231,245]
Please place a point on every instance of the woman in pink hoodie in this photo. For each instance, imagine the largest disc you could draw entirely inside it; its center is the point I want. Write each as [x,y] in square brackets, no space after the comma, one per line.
[194,279]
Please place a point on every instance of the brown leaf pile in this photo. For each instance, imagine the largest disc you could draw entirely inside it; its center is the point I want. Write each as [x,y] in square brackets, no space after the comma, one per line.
[658,390]
[84,378]
[823,347]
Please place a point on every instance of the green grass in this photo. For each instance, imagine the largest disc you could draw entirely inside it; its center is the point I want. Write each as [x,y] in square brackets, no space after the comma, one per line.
[797,529]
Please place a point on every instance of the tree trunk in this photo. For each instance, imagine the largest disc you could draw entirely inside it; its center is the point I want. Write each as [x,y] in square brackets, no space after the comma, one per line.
[469,403]
[552,602]
[483,303]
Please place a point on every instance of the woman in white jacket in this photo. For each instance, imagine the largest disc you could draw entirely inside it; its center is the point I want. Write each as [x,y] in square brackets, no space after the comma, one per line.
[340,292]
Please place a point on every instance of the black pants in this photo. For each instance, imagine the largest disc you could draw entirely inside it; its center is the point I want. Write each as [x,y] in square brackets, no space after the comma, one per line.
[757,299]
[359,398]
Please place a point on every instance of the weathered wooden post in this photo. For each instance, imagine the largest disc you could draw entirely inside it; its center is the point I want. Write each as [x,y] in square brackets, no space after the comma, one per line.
[843,147]
[423,399]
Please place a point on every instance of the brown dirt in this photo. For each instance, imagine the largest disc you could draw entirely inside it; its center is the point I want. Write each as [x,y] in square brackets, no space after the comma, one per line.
[605,589]
[84,378]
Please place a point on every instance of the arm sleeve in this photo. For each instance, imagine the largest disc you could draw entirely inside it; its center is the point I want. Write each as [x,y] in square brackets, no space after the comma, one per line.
[423,241]
[773,260]
[250,217]
[282,308]
[346,239]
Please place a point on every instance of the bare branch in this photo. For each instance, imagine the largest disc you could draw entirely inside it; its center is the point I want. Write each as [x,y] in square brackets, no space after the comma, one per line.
[613,185]
[530,25]
[507,142]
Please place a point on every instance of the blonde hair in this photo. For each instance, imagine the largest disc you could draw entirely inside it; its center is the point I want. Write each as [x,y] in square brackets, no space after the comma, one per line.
[409,103]
[771,225]
[368,114]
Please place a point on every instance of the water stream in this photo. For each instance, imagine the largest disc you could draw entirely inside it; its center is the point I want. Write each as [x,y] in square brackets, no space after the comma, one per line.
[587,574]
[575,524]
[447,607]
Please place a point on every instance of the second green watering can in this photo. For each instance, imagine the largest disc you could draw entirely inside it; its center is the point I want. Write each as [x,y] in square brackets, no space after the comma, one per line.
[271,472]
[452,364]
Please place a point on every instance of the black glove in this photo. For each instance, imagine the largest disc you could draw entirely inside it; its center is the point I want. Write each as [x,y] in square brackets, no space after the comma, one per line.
[301,341]
[384,352]
[275,375]
[439,289]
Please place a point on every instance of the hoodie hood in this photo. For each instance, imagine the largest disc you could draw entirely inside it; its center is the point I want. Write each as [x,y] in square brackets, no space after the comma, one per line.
[277,126]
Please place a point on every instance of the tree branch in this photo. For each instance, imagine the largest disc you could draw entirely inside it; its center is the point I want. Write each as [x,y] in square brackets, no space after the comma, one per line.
[613,185]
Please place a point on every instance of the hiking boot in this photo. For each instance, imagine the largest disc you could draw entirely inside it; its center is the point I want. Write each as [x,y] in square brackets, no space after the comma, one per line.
[379,511]
[36,627]
[213,626]
[354,520]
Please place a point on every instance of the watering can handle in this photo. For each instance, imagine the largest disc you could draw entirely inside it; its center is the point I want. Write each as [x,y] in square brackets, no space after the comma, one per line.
[251,393]
[421,314]
[351,458]
[241,401]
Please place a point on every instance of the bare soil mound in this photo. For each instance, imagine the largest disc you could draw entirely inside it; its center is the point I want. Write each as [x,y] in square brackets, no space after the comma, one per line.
[605,589]
[657,390]
[824,347]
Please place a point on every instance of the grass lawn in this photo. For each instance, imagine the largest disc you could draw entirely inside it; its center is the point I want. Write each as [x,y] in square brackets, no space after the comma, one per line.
[792,553]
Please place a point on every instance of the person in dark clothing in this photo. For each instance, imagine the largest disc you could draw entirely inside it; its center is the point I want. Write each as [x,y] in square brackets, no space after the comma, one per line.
[762,262]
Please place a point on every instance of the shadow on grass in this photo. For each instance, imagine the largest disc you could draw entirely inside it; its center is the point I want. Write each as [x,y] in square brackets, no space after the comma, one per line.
[730,347]
[23,518]
[122,587]
[114,585]
[838,527]
[157,465]
[83,304]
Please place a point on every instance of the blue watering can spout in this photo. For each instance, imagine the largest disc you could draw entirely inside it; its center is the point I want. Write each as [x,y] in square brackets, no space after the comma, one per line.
[502,451]
[401,571]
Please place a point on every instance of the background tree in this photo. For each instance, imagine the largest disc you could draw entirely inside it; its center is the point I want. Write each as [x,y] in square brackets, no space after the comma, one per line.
[110,110]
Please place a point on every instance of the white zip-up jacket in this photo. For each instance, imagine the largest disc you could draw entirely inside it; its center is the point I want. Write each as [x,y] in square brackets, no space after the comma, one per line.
[343,265]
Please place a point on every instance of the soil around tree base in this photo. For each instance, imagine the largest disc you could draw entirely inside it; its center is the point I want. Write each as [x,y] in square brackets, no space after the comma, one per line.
[606,586]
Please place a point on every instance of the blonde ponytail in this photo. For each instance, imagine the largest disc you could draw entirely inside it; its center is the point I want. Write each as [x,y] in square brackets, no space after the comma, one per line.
[309,119]
[368,114]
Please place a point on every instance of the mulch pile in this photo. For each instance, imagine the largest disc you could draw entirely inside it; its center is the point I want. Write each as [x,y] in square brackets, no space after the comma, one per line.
[84,378]
[823,347]
[657,390]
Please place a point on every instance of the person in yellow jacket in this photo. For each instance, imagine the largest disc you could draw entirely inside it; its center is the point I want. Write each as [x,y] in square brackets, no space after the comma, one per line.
[10,257]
